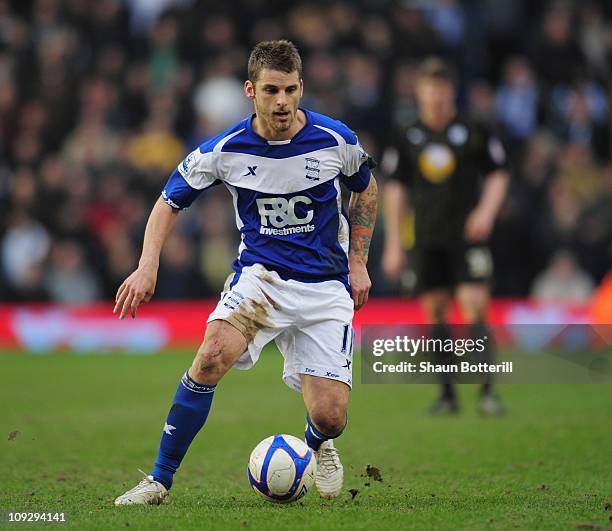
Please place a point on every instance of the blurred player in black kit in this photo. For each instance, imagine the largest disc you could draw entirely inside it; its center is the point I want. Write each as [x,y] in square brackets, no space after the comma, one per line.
[455,173]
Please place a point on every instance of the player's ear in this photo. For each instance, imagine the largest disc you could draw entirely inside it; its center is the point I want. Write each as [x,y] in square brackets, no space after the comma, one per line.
[249,89]
[301,87]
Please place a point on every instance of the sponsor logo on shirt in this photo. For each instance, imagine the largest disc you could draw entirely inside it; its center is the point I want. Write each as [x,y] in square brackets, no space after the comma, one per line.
[279,218]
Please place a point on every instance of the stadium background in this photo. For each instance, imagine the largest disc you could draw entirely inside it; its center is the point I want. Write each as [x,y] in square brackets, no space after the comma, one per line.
[99,100]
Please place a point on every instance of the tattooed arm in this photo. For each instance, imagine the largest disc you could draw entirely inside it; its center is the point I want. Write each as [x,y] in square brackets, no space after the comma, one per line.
[362,215]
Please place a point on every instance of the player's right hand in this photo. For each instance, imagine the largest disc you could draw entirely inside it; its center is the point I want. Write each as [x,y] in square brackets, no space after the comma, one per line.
[136,289]
[478,225]
[393,262]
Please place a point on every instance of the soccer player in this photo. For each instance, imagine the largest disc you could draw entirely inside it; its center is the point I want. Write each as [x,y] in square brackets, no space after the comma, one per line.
[455,172]
[301,266]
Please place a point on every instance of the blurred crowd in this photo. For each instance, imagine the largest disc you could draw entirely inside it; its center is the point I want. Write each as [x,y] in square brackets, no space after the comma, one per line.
[100,100]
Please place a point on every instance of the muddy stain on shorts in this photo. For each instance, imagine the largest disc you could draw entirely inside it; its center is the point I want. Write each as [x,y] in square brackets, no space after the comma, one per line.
[272,302]
[266,276]
[250,317]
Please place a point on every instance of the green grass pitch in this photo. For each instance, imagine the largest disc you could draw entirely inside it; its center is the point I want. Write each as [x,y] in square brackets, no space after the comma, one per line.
[86,423]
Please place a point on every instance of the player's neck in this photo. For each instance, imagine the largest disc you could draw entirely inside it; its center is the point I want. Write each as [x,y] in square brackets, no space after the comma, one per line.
[437,121]
[269,133]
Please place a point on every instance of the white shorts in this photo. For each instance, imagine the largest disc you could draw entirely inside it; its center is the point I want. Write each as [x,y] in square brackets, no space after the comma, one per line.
[311,323]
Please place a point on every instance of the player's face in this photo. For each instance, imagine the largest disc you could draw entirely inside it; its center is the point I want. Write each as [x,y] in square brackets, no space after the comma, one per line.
[276,96]
[435,96]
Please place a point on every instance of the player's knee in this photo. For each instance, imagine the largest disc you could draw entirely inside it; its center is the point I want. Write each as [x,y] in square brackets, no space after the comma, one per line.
[330,421]
[476,315]
[438,314]
[211,362]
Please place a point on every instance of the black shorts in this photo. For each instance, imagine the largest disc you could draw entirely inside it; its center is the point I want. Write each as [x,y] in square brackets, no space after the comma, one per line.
[446,267]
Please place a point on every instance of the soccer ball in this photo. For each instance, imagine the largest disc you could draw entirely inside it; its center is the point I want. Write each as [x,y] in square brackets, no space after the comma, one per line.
[282,468]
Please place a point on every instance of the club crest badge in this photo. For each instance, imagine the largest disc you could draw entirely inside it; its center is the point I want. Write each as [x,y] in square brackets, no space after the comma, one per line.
[312,168]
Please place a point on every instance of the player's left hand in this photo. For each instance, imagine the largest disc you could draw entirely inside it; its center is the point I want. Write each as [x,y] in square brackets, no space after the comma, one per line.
[359,280]
[478,225]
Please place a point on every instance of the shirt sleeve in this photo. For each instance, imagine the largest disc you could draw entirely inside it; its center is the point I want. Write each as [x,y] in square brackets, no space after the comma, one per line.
[356,166]
[193,175]
[491,152]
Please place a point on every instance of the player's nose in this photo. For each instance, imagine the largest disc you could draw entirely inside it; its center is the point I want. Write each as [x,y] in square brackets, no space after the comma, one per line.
[281,98]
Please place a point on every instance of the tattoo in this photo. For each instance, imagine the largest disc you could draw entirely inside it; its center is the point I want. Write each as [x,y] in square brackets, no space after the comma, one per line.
[362,215]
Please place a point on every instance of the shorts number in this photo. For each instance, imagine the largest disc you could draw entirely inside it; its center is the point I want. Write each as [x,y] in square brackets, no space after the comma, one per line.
[479,262]
[348,335]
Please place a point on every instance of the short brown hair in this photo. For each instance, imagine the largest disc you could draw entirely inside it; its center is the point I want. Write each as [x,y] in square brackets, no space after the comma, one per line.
[279,55]
[437,68]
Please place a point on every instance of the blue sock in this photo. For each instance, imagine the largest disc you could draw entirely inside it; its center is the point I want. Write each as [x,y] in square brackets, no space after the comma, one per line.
[314,437]
[187,416]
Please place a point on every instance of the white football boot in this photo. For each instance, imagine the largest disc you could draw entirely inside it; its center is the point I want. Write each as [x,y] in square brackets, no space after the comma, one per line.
[147,492]
[330,472]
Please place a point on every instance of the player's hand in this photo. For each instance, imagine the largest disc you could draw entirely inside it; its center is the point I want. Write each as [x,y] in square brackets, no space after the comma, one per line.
[136,289]
[359,280]
[393,262]
[478,225]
